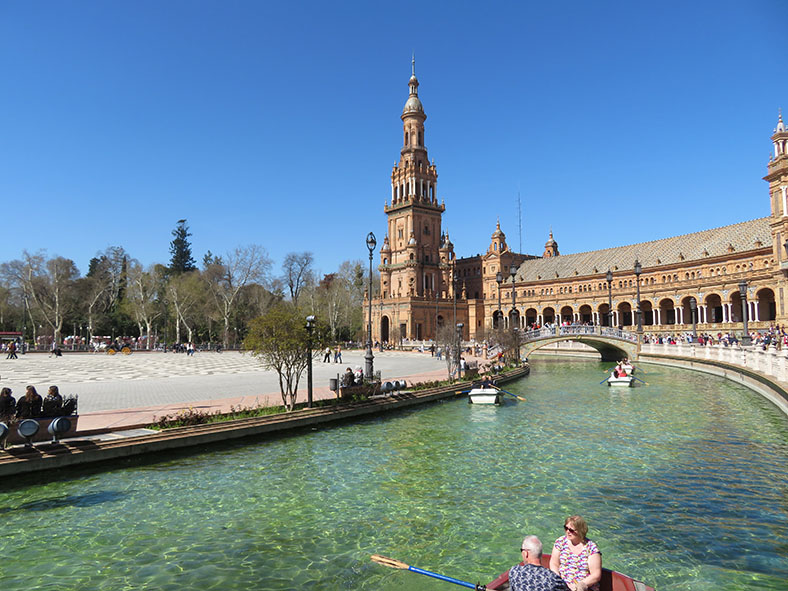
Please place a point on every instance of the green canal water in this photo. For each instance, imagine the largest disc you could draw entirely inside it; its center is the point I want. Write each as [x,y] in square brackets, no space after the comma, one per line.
[683,483]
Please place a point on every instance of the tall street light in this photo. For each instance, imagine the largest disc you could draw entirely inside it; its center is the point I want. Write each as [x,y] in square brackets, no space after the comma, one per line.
[310,324]
[609,279]
[638,271]
[498,280]
[368,370]
[513,272]
[745,340]
[515,315]
[456,280]
[459,342]
[693,311]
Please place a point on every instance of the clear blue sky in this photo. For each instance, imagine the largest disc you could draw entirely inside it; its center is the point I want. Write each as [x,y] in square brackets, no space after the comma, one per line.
[278,122]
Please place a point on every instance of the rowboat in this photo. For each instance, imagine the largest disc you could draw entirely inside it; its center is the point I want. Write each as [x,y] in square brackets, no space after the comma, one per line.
[611,580]
[483,395]
[620,381]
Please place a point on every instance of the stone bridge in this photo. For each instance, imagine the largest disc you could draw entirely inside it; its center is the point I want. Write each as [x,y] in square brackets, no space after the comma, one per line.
[613,344]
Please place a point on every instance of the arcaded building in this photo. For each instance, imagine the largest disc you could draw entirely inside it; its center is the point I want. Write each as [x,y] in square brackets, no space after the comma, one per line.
[424,285]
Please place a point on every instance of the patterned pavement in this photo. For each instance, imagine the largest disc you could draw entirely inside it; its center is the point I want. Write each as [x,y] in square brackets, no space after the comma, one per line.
[118,391]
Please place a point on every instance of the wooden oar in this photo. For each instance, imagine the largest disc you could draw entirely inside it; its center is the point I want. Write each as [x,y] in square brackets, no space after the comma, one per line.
[509,393]
[603,381]
[639,380]
[390,562]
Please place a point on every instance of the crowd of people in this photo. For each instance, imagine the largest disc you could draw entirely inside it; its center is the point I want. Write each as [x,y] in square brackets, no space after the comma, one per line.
[575,562]
[775,335]
[32,405]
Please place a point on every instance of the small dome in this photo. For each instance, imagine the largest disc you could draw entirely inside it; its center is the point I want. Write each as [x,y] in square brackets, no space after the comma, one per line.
[413,105]
[780,124]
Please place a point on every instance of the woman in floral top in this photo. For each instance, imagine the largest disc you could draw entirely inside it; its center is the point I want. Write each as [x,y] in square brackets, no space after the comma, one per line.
[576,558]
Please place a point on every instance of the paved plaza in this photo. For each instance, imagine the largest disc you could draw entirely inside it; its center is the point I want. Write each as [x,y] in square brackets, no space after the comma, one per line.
[117,391]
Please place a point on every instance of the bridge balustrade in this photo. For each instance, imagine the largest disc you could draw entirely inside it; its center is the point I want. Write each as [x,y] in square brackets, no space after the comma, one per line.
[547,332]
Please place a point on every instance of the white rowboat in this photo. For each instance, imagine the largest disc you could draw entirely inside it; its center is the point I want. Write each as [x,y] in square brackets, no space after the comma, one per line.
[485,396]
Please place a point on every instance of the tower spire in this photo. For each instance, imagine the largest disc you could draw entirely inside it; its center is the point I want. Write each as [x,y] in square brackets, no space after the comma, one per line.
[413,65]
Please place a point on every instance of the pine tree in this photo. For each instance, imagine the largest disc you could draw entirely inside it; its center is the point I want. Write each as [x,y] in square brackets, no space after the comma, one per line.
[181,250]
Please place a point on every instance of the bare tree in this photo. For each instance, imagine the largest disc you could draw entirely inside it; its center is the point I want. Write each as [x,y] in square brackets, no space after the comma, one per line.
[143,296]
[48,283]
[226,278]
[448,342]
[297,273]
[184,292]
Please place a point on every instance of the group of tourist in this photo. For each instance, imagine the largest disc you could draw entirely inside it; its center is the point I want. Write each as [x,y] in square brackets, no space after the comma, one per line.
[32,405]
[575,563]
[775,336]
[11,348]
[353,378]
[337,355]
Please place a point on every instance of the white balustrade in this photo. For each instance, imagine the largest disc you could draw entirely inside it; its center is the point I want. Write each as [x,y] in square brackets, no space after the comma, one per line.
[771,362]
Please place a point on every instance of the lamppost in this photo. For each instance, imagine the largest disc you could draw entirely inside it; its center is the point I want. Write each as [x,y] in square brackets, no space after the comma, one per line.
[609,279]
[310,324]
[459,342]
[693,311]
[498,280]
[638,271]
[456,280]
[371,244]
[745,339]
[513,272]
[515,321]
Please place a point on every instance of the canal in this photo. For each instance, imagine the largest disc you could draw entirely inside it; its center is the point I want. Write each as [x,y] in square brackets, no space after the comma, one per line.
[683,483]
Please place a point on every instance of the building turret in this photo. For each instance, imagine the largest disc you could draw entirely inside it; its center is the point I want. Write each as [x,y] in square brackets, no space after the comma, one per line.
[777,177]
[498,240]
[551,247]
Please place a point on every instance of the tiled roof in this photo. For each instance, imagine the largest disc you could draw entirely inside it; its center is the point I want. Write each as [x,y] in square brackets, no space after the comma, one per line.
[741,237]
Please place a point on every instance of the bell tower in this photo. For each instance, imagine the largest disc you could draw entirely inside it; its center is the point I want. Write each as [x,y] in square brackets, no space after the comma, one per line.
[777,178]
[413,260]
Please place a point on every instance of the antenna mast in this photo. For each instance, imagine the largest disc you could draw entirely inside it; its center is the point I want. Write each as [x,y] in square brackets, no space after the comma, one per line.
[520,217]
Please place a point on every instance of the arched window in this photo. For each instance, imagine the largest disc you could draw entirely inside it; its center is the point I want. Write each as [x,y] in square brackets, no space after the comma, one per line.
[407,138]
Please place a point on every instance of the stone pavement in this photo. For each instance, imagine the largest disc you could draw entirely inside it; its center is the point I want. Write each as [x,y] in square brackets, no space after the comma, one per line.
[119,392]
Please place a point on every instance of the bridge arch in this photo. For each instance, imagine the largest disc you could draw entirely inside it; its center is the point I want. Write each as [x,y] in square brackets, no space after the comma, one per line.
[610,348]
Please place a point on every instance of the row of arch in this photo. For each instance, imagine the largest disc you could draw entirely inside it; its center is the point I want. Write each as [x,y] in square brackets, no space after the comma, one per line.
[711,309]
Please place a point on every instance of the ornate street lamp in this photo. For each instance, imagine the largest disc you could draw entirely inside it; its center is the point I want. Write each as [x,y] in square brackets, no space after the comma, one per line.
[693,311]
[638,271]
[498,280]
[745,340]
[513,272]
[609,279]
[455,281]
[368,369]
[459,343]
[515,315]
[310,325]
